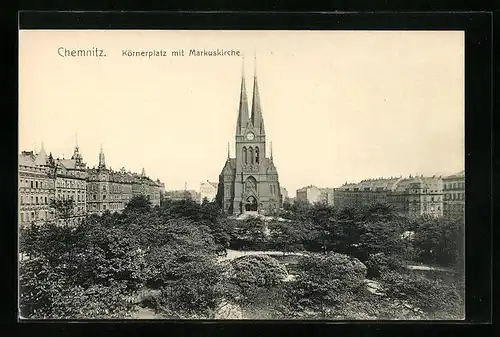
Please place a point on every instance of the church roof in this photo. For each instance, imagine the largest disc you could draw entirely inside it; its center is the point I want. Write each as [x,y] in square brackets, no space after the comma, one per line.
[229,166]
[214,184]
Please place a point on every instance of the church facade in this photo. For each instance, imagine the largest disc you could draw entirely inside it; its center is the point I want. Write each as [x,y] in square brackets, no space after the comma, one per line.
[249,181]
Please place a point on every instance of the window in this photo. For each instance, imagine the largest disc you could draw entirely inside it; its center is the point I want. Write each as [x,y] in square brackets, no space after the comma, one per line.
[95,197]
[32,215]
[31,183]
[257,155]
[22,200]
[104,207]
[104,197]
[32,200]
[250,152]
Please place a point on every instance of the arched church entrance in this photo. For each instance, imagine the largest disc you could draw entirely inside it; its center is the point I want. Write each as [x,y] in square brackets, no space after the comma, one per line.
[251,204]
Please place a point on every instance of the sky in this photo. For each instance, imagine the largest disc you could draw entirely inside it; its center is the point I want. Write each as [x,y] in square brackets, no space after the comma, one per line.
[339,106]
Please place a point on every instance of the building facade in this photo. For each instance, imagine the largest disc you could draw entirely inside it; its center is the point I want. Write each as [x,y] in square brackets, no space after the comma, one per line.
[412,196]
[249,182]
[284,195]
[93,191]
[454,195]
[416,196]
[110,190]
[36,187]
[71,184]
[311,194]
[208,190]
[327,196]
[178,195]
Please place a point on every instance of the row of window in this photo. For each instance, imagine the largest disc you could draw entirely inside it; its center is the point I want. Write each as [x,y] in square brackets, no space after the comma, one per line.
[25,200]
[34,183]
[460,185]
[112,188]
[455,196]
[432,208]
[438,198]
[272,189]
[64,196]
[251,155]
[71,183]
[104,207]
[31,216]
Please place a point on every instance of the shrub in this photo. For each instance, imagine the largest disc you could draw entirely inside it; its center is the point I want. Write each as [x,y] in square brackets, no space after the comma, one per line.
[190,286]
[47,293]
[378,264]
[327,280]
[253,272]
[439,300]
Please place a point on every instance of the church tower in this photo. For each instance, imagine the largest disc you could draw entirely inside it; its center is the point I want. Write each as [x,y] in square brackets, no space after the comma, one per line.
[249,182]
[102,160]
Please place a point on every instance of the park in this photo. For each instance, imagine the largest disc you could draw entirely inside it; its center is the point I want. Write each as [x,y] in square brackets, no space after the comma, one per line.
[185,260]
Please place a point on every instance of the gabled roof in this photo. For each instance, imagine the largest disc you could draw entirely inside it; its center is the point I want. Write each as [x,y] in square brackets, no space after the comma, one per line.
[460,174]
[229,166]
[68,163]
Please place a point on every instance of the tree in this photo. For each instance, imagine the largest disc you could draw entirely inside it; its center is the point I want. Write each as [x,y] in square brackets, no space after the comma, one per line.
[62,207]
[248,234]
[440,241]
[326,281]
[286,236]
[139,203]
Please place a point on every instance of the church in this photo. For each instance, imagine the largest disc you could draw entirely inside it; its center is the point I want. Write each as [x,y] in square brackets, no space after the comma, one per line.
[249,182]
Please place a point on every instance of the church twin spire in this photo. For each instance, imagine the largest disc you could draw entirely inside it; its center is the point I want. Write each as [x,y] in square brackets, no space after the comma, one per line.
[256,119]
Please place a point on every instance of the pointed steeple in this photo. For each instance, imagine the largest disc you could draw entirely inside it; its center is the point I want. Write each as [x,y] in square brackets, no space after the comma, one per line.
[243,116]
[228,155]
[271,146]
[102,159]
[41,158]
[76,154]
[143,173]
[257,119]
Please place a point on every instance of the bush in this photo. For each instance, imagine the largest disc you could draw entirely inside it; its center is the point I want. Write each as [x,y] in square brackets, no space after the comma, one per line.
[378,264]
[439,300]
[192,287]
[327,280]
[255,272]
[47,293]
